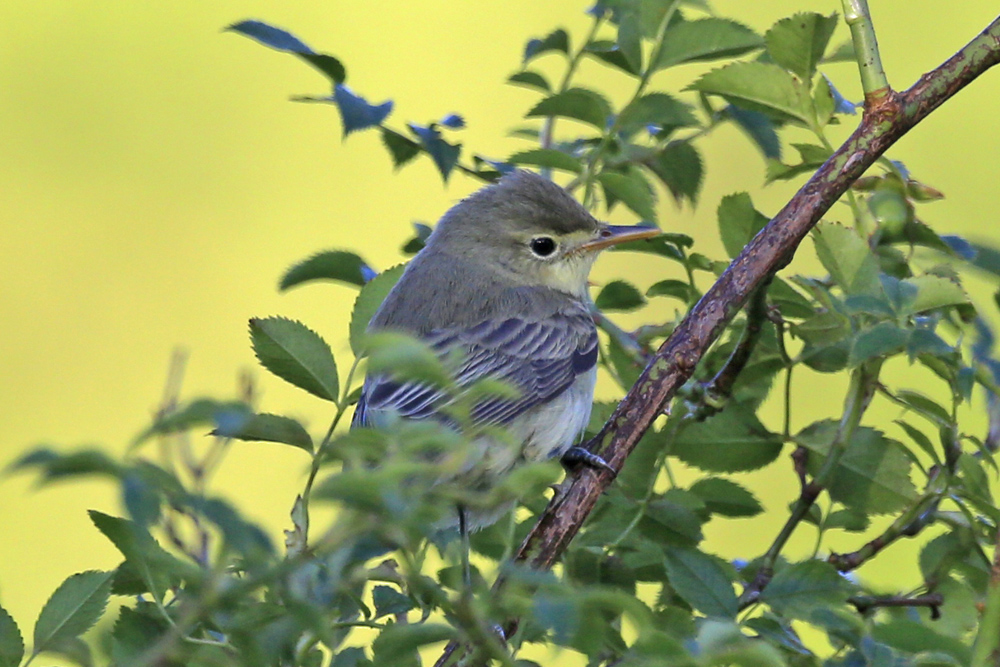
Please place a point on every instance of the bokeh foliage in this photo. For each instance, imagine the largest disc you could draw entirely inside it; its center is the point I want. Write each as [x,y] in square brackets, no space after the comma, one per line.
[202,585]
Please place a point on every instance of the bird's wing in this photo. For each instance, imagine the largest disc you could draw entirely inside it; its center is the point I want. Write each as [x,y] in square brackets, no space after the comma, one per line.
[540,357]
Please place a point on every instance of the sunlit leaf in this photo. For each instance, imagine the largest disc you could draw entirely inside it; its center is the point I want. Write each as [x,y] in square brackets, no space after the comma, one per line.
[73,608]
[798,42]
[758,86]
[297,354]
[705,39]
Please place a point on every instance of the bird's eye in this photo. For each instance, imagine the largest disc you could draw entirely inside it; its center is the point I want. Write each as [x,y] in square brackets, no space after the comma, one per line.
[543,246]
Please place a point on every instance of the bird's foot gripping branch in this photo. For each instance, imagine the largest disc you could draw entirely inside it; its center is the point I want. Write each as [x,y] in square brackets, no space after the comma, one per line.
[480,371]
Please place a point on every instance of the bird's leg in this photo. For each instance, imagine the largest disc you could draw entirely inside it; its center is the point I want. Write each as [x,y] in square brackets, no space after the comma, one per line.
[463,530]
[577,456]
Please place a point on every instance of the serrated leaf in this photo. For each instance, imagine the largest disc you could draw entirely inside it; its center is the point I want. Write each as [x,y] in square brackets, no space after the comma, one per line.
[798,42]
[608,52]
[557,40]
[263,427]
[576,103]
[705,39]
[369,299]
[548,157]
[873,475]
[72,609]
[157,568]
[679,167]
[739,222]
[401,149]
[133,633]
[388,600]
[619,295]
[530,79]
[848,259]
[670,520]
[657,109]
[757,86]
[443,154]
[296,354]
[11,643]
[337,265]
[730,441]
[282,40]
[355,111]
[701,582]
[629,39]
[726,497]
[798,589]
[934,292]
[632,189]
[883,340]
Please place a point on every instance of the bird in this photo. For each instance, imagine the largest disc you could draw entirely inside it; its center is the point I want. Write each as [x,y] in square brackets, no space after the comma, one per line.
[503,280]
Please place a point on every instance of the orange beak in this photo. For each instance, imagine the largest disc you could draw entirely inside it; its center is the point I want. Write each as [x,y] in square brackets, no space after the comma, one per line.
[610,235]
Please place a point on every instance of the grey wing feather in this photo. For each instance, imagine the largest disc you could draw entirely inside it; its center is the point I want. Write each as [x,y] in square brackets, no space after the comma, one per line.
[541,359]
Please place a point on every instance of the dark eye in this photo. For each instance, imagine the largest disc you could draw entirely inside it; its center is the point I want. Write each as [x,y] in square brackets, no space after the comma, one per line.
[543,246]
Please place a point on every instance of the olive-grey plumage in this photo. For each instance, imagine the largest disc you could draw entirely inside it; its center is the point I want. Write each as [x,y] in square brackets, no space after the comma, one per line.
[503,280]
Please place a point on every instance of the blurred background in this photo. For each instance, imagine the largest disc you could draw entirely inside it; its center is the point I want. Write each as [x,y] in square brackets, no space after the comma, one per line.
[155,182]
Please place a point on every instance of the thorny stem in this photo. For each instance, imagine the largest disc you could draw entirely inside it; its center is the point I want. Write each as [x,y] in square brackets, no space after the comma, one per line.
[859,395]
[873,79]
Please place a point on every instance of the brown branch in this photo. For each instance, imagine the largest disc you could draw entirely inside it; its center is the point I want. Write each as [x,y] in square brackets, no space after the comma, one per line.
[885,120]
[865,603]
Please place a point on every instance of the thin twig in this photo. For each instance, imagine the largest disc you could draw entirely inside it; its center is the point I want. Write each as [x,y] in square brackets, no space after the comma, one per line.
[865,603]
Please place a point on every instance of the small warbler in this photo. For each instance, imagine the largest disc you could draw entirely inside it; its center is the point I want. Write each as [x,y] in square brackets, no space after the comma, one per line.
[503,279]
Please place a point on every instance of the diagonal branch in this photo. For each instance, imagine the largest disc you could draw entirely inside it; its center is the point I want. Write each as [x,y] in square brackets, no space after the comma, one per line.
[885,120]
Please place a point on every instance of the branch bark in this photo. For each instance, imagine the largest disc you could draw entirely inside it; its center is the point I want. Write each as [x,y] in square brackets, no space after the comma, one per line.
[886,119]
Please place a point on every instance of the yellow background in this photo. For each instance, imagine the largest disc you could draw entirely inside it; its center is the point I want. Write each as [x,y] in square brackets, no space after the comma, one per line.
[155,182]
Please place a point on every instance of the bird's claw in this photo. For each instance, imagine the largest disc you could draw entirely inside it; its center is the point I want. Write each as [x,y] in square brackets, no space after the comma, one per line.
[576,456]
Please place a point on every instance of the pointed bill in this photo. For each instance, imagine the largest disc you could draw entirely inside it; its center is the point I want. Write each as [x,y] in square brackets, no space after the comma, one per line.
[610,235]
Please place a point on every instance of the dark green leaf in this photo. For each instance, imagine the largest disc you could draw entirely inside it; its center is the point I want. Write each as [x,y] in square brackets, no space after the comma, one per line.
[620,296]
[673,288]
[548,157]
[443,154]
[398,642]
[934,292]
[739,222]
[530,79]
[134,632]
[759,128]
[920,439]
[671,519]
[226,417]
[336,265]
[557,40]
[849,520]
[883,340]
[53,465]
[680,168]
[279,39]
[632,189]
[608,52]
[705,39]
[873,475]
[240,534]
[355,111]
[730,441]
[577,103]
[388,600]
[369,299]
[72,609]
[797,589]
[157,568]
[275,428]
[401,149]
[757,86]
[848,259]
[351,657]
[798,42]
[726,497]
[296,354]
[658,109]
[701,582]
[788,300]
[11,643]
[630,39]
[925,406]
[915,637]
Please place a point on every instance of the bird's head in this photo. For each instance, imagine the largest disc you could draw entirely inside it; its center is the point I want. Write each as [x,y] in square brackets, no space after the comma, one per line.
[530,231]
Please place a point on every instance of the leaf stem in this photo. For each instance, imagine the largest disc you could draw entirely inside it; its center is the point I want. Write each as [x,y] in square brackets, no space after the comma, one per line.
[548,128]
[873,79]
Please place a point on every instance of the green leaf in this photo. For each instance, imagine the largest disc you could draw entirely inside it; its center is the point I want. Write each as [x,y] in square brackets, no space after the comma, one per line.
[883,340]
[657,109]
[11,643]
[849,520]
[798,42]
[157,568]
[279,39]
[402,149]
[388,600]
[442,153]
[677,289]
[925,406]
[576,103]
[72,609]
[336,265]
[739,221]
[705,39]
[848,259]
[399,642]
[548,157]
[530,79]
[629,40]
[701,582]
[934,292]
[557,40]
[916,637]
[921,440]
[296,354]
[632,189]
[679,167]
[369,299]
[275,428]
[873,475]
[726,497]
[730,441]
[356,113]
[134,632]
[405,357]
[53,465]
[620,296]
[797,589]
[757,86]
[671,519]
